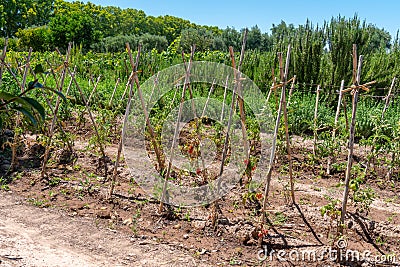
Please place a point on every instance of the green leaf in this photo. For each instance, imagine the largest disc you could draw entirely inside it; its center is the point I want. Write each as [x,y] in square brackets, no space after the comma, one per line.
[6,96]
[36,105]
[39,69]
[27,114]
[34,84]
[56,92]
[12,98]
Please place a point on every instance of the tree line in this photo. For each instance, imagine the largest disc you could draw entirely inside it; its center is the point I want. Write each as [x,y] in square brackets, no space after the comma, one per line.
[46,24]
[320,53]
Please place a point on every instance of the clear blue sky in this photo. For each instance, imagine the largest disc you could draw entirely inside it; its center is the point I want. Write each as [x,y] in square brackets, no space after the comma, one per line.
[239,14]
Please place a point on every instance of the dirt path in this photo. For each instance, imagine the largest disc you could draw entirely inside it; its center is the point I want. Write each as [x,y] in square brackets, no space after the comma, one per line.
[30,236]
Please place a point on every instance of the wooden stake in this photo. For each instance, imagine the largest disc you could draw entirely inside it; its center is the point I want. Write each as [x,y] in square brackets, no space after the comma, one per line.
[197,122]
[215,208]
[291,89]
[315,120]
[54,120]
[237,87]
[70,83]
[125,120]
[388,98]
[285,116]
[153,138]
[238,77]
[328,167]
[127,85]
[155,84]
[351,138]
[27,66]
[115,89]
[273,148]
[223,101]
[94,89]
[272,88]
[176,132]
[208,98]
[102,151]
[3,58]
[15,143]
[47,98]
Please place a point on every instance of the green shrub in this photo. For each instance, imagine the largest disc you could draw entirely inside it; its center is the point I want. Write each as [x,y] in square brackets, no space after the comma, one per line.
[37,37]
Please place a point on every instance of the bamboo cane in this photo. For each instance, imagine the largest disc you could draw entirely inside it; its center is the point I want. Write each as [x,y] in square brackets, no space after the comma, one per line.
[236,88]
[273,86]
[178,119]
[153,138]
[208,98]
[94,89]
[155,84]
[26,69]
[351,139]
[387,102]
[238,77]
[54,120]
[12,74]
[215,208]
[203,170]
[273,148]
[189,88]
[228,131]
[70,83]
[14,145]
[101,147]
[125,120]
[285,117]
[328,167]
[127,85]
[113,93]
[69,144]
[46,97]
[291,90]
[345,113]
[3,57]
[315,130]
[388,98]
[224,100]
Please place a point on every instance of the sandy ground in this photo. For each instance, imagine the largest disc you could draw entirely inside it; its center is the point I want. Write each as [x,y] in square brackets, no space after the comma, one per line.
[30,236]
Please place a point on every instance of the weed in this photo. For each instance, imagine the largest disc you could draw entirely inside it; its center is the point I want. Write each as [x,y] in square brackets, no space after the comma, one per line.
[279,218]
[332,210]
[187,216]
[54,181]
[363,198]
